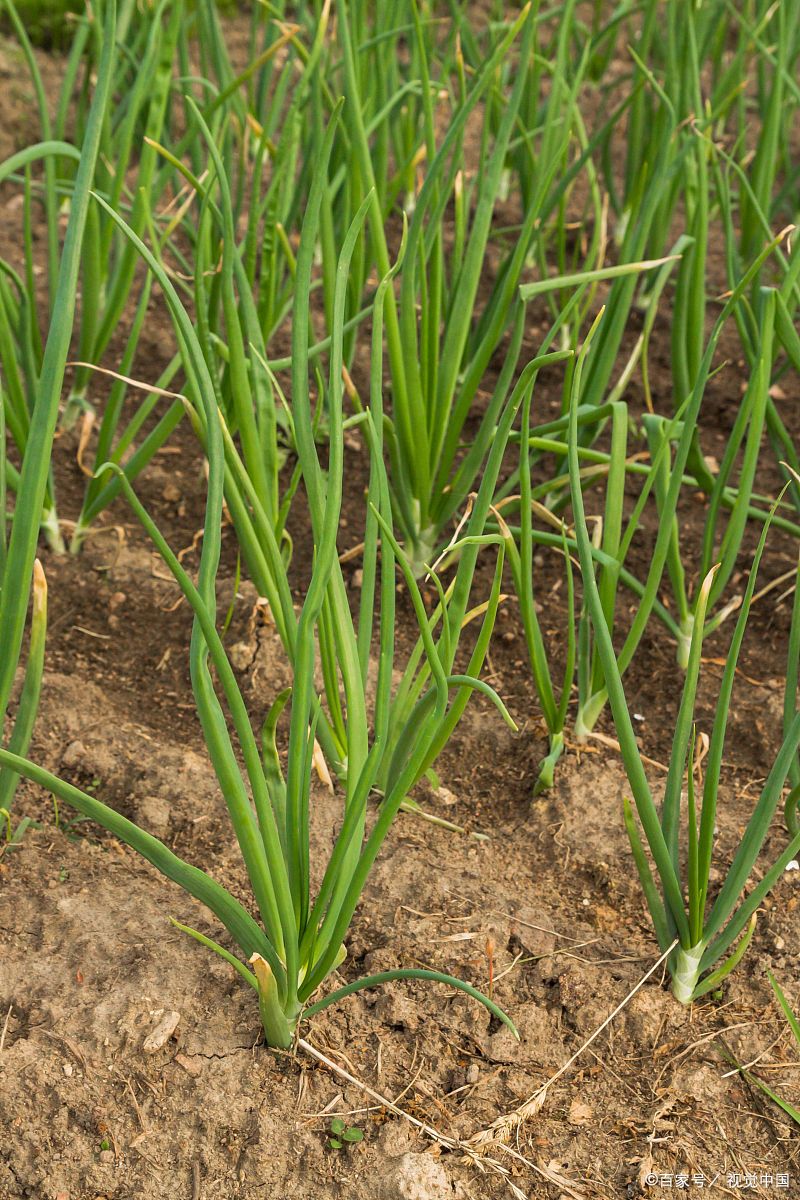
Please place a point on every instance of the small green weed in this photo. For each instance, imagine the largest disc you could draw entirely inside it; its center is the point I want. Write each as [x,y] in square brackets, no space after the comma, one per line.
[341,1133]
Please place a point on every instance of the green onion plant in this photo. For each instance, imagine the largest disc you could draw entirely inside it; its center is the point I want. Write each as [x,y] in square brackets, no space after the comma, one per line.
[438,351]
[611,541]
[682,848]
[254,454]
[107,266]
[21,577]
[297,940]
[673,448]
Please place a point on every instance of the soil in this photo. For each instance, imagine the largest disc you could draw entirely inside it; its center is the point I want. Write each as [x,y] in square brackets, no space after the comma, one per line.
[545,909]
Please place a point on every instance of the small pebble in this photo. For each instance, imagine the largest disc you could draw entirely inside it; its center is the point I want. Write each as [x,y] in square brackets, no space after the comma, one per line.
[163,1031]
[74,754]
[190,1065]
[106,1156]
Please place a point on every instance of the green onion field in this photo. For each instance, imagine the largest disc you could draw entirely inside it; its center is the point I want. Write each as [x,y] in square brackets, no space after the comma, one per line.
[399,607]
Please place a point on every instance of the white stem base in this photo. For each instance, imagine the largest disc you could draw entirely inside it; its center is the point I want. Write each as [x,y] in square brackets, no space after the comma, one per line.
[587,715]
[685,641]
[686,973]
[52,531]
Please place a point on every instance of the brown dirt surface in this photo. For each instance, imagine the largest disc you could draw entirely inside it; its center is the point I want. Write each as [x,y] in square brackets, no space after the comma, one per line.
[546,911]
